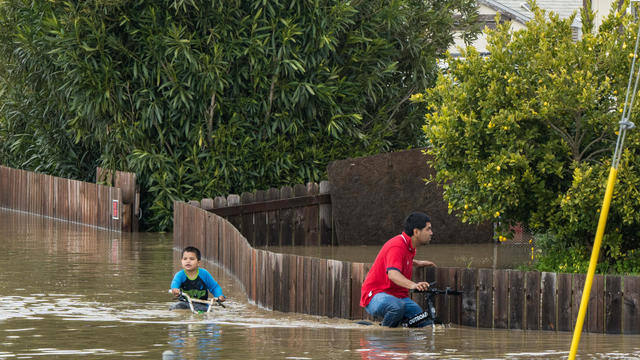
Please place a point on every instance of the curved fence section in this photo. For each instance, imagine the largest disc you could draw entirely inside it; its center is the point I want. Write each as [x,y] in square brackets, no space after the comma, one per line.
[504,299]
[61,198]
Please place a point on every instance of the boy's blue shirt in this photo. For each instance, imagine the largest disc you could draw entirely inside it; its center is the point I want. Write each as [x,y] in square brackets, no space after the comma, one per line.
[196,288]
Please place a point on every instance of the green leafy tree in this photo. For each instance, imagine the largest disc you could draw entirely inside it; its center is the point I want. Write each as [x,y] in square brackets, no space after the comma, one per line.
[206,98]
[525,135]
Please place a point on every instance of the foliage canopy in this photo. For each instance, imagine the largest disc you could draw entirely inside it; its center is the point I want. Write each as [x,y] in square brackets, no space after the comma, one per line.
[203,98]
[526,135]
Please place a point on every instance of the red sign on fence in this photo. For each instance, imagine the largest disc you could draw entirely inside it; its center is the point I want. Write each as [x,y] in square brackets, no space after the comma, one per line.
[114,211]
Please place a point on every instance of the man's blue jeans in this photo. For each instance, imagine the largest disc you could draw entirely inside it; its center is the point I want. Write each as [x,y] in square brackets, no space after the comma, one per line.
[393,310]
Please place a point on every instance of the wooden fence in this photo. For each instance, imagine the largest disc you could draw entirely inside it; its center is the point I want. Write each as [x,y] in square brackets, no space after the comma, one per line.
[64,199]
[130,204]
[505,299]
[298,215]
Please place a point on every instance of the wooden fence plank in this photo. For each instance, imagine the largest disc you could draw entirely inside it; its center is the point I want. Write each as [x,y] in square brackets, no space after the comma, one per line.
[447,306]
[300,279]
[207,204]
[595,311]
[177,221]
[577,288]
[236,220]
[255,276]
[292,282]
[325,221]
[315,281]
[286,219]
[299,231]
[532,298]
[279,285]
[308,285]
[269,276]
[516,299]
[260,221]
[213,234]
[323,286]
[197,224]
[468,278]
[283,283]
[345,291]
[247,227]
[272,232]
[23,195]
[613,304]
[4,187]
[564,302]
[549,301]
[63,200]
[222,242]
[357,274]
[262,284]
[631,305]
[102,209]
[485,298]
[311,218]
[501,299]
[34,192]
[418,275]
[334,269]
[92,195]
[74,201]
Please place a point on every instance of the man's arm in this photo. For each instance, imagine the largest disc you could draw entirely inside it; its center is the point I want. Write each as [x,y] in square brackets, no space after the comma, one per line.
[423,263]
[400,280]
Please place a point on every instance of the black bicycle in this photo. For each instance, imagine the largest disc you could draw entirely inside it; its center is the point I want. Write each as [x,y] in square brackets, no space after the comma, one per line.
[429,314]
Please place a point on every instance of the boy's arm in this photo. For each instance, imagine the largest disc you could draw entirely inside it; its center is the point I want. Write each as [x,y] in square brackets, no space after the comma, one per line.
[177,281]
[212,285]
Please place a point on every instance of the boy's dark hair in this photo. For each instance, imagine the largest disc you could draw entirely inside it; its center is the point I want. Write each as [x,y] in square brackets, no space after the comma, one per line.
[192,249]
[415,220]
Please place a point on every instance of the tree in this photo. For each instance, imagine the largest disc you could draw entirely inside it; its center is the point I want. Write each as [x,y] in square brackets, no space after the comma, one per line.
[206,98]
[526,134]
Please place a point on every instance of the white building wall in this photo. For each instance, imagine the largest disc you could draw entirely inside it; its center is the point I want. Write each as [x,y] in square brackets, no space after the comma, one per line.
[600,7]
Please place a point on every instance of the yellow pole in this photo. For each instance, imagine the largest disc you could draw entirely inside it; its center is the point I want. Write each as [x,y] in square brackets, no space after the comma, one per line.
[584,302]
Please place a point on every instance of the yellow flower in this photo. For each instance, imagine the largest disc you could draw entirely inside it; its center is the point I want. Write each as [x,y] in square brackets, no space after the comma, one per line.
[416,97]
[466,206]
[497,214]
[498,168]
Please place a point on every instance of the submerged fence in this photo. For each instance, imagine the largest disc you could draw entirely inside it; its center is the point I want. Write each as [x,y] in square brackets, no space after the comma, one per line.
[506,299]
[298,215]
[64,199]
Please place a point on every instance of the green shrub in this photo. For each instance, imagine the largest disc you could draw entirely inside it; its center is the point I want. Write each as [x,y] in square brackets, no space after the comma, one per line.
[203,98]
[526,134]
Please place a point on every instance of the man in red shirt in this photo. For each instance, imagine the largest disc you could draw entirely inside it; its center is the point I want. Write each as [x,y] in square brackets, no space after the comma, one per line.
[385,291]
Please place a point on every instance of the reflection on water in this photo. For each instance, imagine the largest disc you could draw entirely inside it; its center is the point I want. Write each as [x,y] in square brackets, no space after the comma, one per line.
[71,292]
[489,255]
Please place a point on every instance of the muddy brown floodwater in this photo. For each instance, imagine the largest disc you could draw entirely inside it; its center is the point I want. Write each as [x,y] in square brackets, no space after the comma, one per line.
[75,292]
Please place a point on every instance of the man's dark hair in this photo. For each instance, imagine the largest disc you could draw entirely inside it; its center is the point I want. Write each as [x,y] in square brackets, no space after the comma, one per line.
[415,220]
[192,249]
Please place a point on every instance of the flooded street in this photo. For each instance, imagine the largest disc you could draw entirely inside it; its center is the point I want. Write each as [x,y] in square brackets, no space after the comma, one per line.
[488,255]
[71,291]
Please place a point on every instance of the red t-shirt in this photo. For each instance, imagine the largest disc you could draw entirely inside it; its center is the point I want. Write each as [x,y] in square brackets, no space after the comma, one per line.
[396,254]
